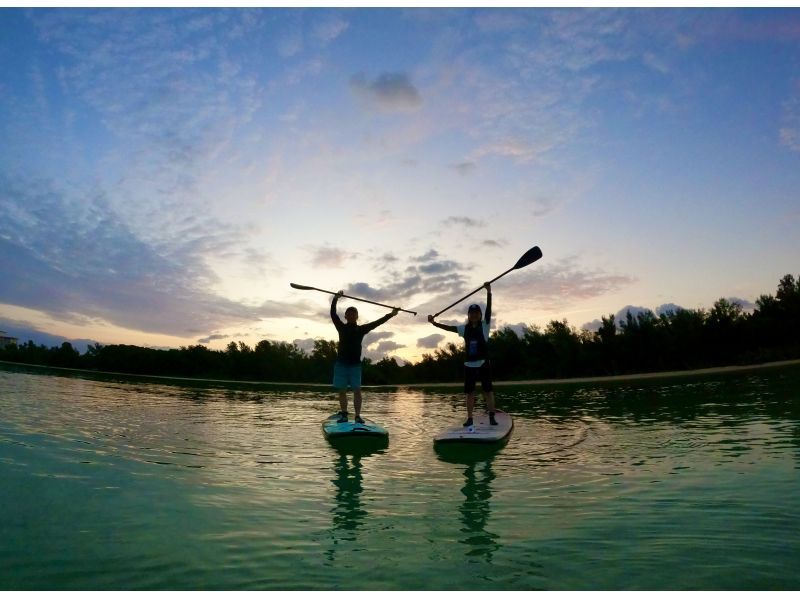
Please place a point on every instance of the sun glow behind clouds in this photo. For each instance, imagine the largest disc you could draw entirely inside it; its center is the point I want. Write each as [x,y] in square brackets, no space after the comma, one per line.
[173,170]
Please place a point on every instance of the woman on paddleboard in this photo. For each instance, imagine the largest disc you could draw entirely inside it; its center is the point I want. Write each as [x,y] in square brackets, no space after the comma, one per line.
[477,367]
[347,370]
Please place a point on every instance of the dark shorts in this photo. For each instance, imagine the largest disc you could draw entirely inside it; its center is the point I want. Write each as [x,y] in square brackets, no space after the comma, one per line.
[472,375]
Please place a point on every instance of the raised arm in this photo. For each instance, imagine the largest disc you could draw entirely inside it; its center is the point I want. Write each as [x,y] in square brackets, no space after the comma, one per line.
[337,321]
[488,315]
[379,321]
[442,326]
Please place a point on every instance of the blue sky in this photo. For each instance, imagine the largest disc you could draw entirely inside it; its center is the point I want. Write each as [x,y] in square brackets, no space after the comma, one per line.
[167,173]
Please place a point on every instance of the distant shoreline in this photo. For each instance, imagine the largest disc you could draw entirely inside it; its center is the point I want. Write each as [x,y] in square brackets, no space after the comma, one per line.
[647,376]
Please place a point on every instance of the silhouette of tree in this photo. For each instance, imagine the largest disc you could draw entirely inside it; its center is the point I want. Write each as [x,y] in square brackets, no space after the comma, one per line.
[677,339]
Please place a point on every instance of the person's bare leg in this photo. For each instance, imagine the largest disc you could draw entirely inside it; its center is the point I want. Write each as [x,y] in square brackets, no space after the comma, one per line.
[488,399]
[470,403]
[357,401]
[343,401]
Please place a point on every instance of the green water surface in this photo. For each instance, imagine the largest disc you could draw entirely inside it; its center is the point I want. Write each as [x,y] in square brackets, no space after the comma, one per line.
[131,485]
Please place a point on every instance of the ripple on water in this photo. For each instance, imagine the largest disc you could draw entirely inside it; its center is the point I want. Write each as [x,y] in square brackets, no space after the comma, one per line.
[146,486]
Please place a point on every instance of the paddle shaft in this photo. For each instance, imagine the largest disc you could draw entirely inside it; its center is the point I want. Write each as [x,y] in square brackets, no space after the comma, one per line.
[473,292]
[307,288]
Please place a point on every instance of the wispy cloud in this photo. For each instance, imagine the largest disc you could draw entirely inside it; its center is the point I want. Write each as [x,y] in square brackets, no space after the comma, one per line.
[389,91]
[328,28]
[499,21]
[554,286]
[464,221]
[166,96]
[77,260]
[327,256]
[464,168]
[790,128]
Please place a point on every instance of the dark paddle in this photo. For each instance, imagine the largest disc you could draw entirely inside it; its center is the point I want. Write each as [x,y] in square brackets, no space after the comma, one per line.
[305,288]
[530,256]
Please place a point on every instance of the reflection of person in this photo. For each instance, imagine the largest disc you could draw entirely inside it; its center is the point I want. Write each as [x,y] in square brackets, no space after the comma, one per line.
[476,509]
[347,371]
[348,513]
[476,366]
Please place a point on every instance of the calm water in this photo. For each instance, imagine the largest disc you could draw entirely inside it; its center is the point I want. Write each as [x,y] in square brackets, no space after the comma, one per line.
[128,485]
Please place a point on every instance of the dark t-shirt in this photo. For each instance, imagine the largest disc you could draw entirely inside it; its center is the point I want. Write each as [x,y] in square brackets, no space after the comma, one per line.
[350,336]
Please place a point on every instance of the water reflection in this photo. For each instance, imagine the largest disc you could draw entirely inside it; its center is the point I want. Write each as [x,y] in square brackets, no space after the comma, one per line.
[348,514]
[476,508]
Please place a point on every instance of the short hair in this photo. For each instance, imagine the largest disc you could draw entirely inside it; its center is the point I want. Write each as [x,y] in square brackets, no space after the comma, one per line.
[349,309]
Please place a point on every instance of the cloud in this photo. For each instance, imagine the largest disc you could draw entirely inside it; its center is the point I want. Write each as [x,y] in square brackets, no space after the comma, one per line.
[499,21]
[440,267]
[374,337]
[212,337]
[464,168]
[329,28]
[667,308]
[290,42]
[543,205]
[789,131]
[76,260]
[743,303]
[592,326]
[620,317]
[556,285]
[633,310]
[519,149]
[391,92]
[155,99]
[424,275]
[382,350]
[26,331]
[388,346]
[464,221]
[428,256]
[326,256]
[304,344]
[430,342]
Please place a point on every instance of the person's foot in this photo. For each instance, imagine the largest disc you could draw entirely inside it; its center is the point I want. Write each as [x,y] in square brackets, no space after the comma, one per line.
[342,419]
[492,420]
[359,420]
[468,423]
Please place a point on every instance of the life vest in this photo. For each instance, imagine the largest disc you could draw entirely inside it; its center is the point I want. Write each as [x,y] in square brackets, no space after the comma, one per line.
[475,343]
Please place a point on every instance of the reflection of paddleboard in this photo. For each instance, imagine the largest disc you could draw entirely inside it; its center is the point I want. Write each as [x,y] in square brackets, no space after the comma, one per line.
[480,431]
[332,429]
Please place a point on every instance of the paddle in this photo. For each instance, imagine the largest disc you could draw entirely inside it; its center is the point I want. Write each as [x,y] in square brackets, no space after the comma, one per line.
[305,288]
[530,256]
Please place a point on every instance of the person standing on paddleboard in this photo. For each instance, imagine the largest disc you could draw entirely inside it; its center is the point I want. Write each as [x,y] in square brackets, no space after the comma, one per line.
[477,366]
[347,370]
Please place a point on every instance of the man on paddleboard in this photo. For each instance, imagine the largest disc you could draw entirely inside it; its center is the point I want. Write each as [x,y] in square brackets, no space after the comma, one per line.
[477,367]
[347,370]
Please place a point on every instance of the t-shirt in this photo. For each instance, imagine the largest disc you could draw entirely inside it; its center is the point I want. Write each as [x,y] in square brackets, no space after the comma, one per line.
[348,350]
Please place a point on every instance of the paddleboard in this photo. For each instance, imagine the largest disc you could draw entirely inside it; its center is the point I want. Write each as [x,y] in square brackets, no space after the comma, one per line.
[333,429]
[480,432]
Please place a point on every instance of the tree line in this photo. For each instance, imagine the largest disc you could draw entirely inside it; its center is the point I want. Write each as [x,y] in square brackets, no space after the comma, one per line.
[676,340]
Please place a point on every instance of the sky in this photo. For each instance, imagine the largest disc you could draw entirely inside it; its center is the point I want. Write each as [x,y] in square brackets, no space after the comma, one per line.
[165,174]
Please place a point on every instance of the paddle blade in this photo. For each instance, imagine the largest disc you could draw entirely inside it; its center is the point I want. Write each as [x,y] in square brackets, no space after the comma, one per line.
[533,254]
[294,285]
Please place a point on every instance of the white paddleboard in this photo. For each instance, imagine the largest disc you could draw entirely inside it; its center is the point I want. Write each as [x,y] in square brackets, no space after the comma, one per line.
[480,432]
[333,429]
